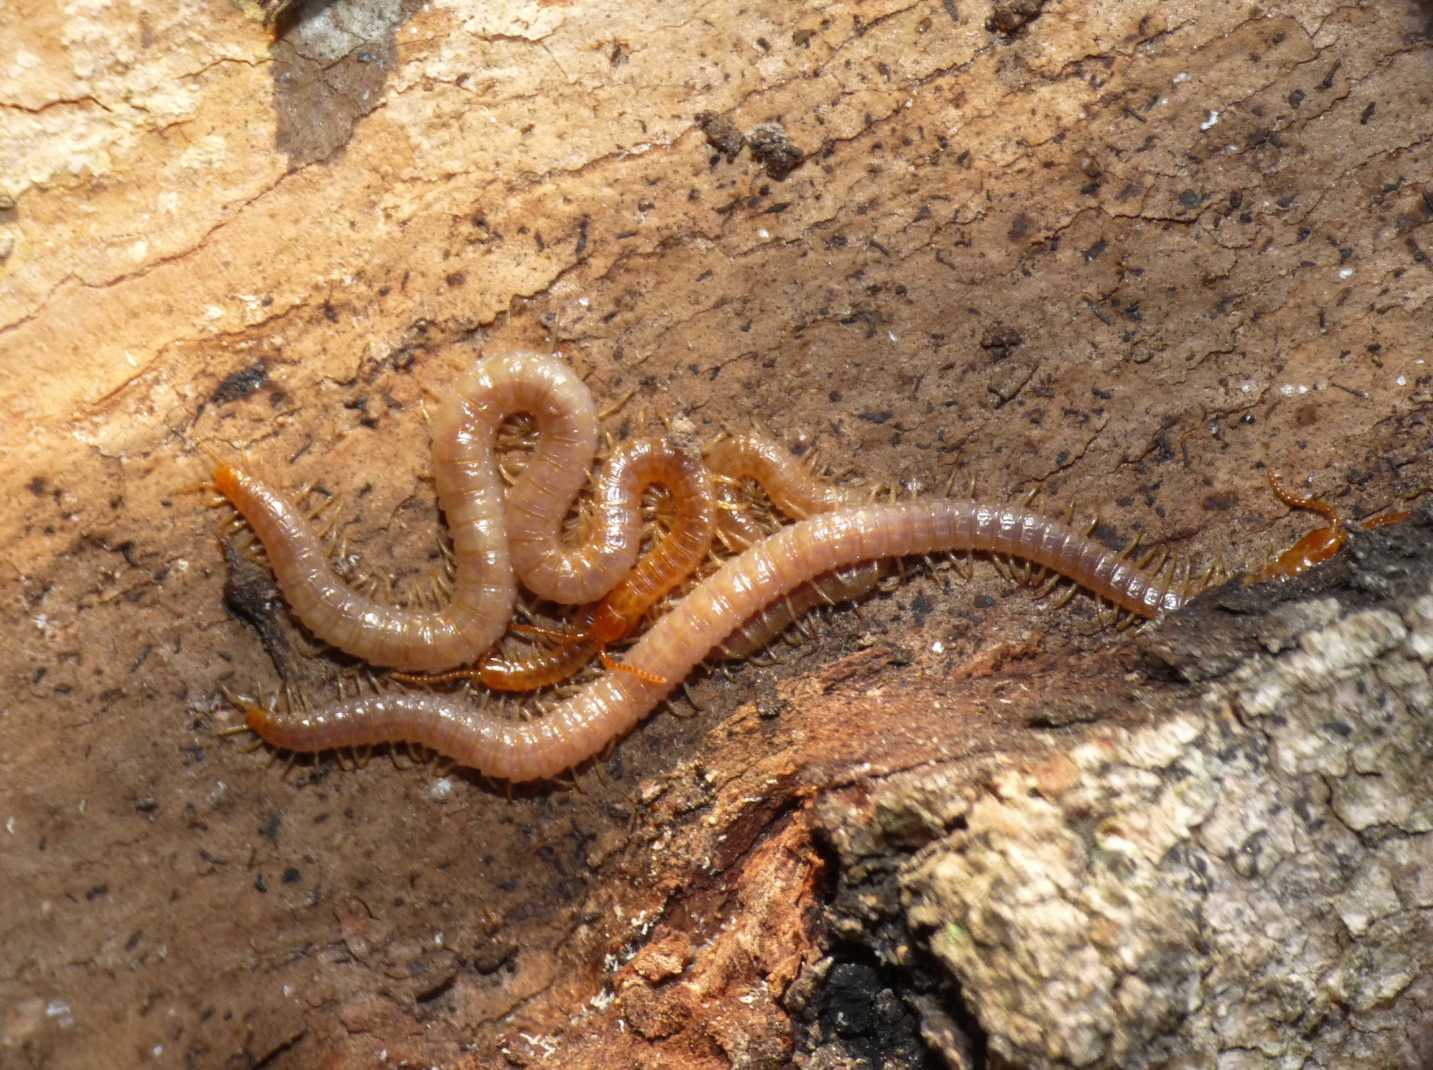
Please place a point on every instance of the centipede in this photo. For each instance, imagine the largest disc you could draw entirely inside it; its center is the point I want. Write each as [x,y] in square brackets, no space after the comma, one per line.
[498,537]
[1318,545]
[836,547]
[635,465]
[582,725]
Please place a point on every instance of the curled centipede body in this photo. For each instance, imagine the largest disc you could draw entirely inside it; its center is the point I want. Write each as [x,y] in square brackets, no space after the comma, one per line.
[634,466]
[495,534]
[607,708]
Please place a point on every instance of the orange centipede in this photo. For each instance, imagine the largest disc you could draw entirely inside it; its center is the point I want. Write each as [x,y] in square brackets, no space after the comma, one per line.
[1318,545]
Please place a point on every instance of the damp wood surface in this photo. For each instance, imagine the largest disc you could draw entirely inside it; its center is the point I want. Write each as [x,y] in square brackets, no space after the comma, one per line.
[1132,257]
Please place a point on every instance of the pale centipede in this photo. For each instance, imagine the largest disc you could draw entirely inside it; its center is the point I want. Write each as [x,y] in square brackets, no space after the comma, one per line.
[797,491]
[639,464]
[840,585]
[582,725]
[493,535]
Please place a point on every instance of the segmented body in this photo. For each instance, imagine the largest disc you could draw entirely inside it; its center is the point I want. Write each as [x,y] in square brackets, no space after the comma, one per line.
[638,464]
[797,491]
[607,708]
[495,535]
[758,630]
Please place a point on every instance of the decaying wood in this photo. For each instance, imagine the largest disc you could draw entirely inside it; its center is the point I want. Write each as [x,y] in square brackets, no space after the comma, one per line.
[1130,255]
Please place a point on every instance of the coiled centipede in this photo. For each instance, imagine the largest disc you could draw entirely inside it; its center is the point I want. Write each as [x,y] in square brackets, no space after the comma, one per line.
[499,538]
[639,464]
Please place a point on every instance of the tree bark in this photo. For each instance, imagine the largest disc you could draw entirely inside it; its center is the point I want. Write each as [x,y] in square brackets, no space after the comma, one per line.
[1131,256]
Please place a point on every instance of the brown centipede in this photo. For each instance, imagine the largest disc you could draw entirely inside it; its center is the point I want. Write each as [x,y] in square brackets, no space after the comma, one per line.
[607,708]
[1318,545]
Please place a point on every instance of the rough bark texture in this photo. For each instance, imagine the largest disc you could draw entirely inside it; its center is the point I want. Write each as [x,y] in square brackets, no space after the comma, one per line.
[1129,254]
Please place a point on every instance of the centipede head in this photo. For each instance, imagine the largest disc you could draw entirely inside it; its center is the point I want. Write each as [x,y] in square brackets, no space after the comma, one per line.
[257,716]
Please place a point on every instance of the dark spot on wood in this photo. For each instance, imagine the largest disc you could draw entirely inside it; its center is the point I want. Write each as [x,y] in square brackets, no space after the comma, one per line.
[772,148]
[1010,17]
[721,135]
[240,384]
[1000,341]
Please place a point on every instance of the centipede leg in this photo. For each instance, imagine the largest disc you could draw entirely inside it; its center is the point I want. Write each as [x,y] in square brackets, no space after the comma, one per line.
[1065,597]
[671,708]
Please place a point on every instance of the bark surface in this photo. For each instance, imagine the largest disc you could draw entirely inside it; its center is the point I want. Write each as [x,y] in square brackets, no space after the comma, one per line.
[1131,255]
